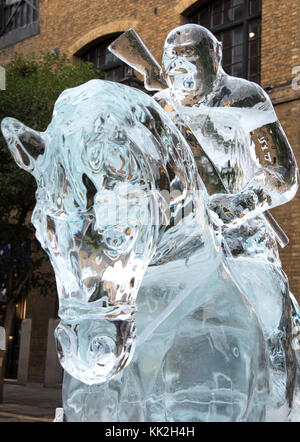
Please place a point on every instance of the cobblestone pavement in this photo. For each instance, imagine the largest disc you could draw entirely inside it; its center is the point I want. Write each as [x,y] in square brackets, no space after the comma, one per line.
[29,403]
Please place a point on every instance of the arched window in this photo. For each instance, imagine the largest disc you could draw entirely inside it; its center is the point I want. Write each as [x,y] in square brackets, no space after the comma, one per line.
[114,69]
[237,23]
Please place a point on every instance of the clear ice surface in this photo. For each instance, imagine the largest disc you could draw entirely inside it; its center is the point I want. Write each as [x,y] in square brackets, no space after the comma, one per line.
[172,299]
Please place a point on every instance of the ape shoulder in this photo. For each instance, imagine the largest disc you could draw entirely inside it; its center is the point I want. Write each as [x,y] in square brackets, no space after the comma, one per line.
[241,93]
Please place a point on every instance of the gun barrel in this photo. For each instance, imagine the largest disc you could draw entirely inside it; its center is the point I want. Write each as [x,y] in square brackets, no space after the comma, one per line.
[130,48]
[281,237]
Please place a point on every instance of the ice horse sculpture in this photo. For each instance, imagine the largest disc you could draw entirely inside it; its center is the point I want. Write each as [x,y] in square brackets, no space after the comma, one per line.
[153,326]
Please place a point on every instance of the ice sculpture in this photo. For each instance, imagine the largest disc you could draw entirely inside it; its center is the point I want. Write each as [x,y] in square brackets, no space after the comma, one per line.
[247,165]
[118,189]
[154,323]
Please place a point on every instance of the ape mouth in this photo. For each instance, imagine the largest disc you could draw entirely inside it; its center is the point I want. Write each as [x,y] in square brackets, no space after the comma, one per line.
[181,79]
[177,71]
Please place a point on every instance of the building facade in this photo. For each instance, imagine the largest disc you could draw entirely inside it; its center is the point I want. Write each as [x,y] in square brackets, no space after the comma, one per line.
[261,42]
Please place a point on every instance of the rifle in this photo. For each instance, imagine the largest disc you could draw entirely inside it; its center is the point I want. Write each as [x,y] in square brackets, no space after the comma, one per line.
[131,49]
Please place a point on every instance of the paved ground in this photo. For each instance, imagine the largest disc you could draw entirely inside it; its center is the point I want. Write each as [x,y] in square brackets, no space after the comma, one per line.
[29,403]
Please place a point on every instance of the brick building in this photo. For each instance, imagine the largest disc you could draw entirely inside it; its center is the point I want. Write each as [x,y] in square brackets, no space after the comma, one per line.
[261,40]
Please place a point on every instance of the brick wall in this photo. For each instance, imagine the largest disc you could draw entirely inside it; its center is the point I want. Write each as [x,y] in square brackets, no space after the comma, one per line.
[280,53]
[71,24]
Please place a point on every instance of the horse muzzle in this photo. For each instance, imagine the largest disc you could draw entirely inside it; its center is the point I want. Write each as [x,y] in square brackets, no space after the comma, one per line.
[94,351]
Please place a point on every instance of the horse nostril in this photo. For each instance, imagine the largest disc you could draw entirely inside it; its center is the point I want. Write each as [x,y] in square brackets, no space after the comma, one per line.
[101,346]
[93,351]
[101,354]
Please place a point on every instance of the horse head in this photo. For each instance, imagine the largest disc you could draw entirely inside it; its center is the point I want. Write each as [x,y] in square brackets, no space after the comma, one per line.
[105,169]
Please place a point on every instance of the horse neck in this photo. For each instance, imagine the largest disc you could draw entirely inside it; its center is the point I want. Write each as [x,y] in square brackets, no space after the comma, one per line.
[193,233]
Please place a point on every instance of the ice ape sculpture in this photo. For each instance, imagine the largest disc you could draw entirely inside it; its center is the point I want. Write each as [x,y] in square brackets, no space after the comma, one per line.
[233,121]
[249,167]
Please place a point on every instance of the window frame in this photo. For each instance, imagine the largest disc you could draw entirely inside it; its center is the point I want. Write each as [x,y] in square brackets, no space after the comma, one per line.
[11,10]
[244,22]
[102,44]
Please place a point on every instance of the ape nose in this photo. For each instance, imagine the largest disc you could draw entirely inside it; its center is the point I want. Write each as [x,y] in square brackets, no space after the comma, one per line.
[175,65]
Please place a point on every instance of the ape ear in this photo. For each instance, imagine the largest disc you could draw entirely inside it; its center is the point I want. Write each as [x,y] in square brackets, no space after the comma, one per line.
[219,53]
[216,53]
[25,144]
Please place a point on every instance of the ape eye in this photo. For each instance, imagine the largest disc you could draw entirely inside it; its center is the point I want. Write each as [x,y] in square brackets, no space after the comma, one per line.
[171,53]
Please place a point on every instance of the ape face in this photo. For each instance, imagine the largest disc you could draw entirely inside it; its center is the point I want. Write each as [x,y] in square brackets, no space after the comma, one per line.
[191,60]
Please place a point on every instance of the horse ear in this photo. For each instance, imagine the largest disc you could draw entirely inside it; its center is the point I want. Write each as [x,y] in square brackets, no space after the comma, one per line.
[25,144]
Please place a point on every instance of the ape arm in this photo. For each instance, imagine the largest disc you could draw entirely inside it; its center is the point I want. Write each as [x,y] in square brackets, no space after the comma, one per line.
[274,183]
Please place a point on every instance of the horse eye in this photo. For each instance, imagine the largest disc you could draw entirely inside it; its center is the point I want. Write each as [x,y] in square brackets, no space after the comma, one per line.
[189,51]
[171,53]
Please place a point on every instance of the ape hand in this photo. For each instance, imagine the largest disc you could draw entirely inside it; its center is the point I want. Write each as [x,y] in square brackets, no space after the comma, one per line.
[231,209]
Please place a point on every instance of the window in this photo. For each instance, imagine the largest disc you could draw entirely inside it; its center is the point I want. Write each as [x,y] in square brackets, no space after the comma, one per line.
[237,23]
[114,69]
[19,19]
